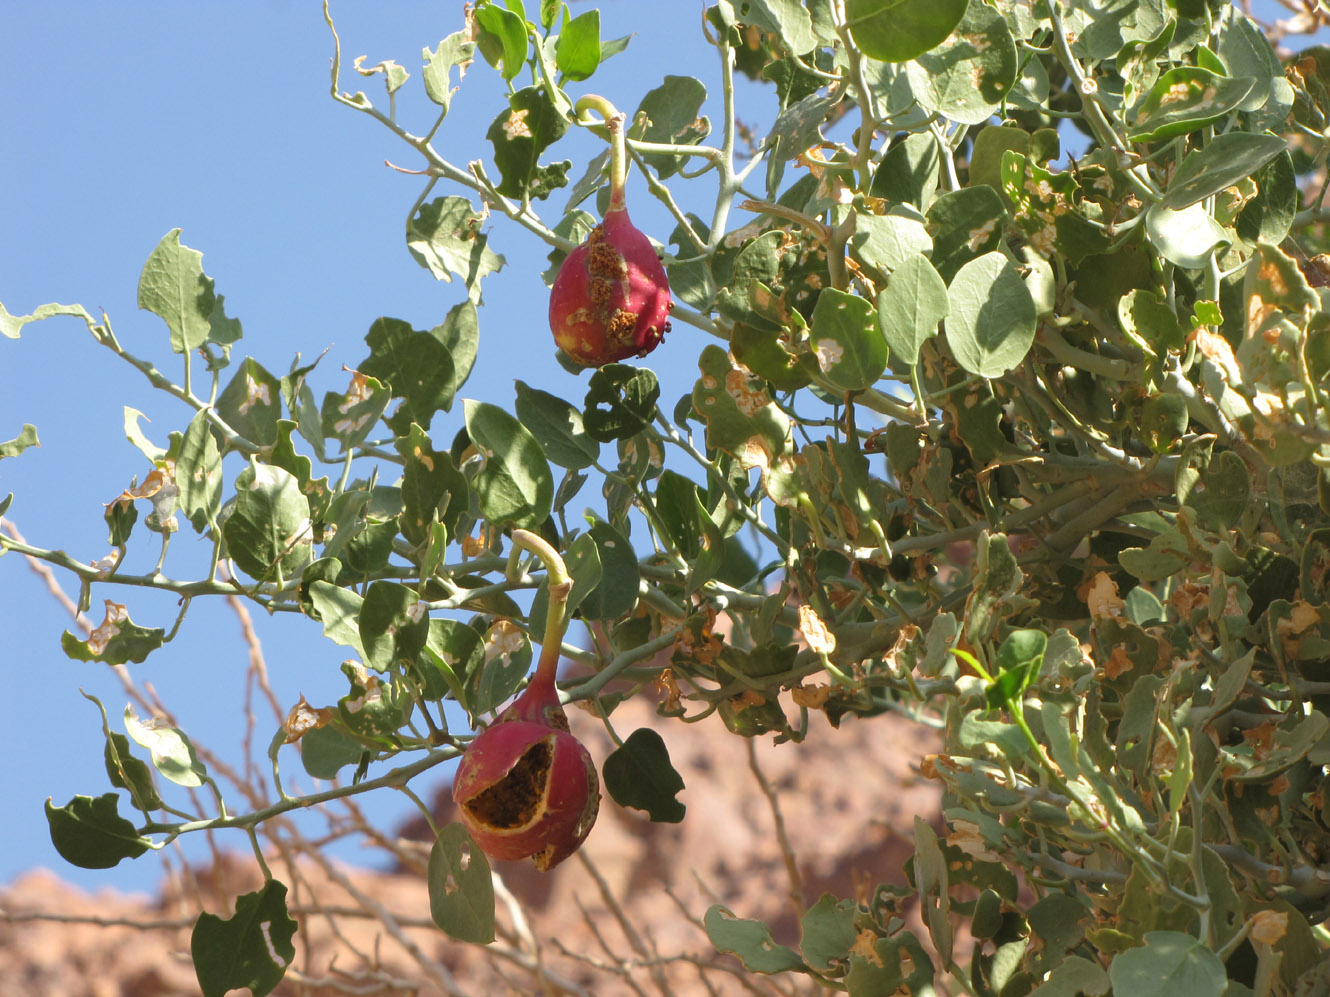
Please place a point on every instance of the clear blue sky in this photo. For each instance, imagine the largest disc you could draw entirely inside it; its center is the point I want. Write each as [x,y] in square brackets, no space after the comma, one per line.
[123,121]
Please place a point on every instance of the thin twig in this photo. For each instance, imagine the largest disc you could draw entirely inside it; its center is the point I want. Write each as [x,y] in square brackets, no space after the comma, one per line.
[796,893]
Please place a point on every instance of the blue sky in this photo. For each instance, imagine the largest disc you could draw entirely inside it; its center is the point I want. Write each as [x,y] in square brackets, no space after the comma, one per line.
[124,121]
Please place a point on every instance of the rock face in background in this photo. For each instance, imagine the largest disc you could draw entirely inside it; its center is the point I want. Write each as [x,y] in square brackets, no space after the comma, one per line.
[848,798]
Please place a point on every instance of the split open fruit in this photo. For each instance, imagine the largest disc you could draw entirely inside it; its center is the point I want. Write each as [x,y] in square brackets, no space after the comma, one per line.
[526,787]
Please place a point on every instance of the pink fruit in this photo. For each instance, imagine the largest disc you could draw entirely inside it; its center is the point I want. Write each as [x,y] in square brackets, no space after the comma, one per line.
[611,298]
[527,787]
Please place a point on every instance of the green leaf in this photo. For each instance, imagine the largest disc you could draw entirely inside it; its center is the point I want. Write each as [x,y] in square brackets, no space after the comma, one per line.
[788,20]
[616,593]
[174,287]
[967,77]
[1273,278]
[520,134]
[990,148]
[884,241]
[444,237]
[577,52]
[676,500]
[1185,99]
[765,353]
[117,640]
[503,39]
[910,307]
[268,533]
[966,224]
[848,347]
[251,404]
[1018,662]
[507,654]
[326,750]
[750,940]
[991,320]
[198,474]
[514,483]
[931,878]
[1224,161]
[251,949]
[130,773]
[1170,964]
[1164,420]
[620,402]
[977,734]
[1050,209]
[638,774]
[89,832]
[11,325]
[1184,237]
[26,438]
[798,127]
[827,932]
[123,769]
[1268,217]
[673,116]
[1149,322]
[337,608]
[349,417]
[460,333]
[1072,977]
[557,427]
[457,653]
[457,50]
[461,889]
[417,368]
[389,629]
[908,172]
[899,30]
[433,489]
[172,753]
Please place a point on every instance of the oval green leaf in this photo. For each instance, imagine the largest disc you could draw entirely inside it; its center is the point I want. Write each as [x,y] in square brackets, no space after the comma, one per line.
[1224,161]
[992,316]
[461,890]
[514,483]
[910,307]
[1184,100]
[900,30]
[848,347]
[967,78]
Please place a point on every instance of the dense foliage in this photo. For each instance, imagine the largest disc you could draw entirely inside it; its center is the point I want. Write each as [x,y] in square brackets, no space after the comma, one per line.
[1013,419]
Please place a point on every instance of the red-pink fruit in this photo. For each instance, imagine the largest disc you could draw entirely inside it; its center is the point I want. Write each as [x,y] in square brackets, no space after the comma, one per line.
[611,298]
[526,787]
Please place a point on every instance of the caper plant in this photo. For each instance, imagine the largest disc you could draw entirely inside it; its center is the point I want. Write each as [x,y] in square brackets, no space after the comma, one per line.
[1010,416]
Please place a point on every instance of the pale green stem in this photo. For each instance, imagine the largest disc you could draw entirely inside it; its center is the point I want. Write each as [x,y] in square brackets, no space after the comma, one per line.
[614,124]
[556,618]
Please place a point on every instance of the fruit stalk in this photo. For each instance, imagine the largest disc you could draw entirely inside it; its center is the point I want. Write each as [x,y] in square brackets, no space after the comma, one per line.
[613,126]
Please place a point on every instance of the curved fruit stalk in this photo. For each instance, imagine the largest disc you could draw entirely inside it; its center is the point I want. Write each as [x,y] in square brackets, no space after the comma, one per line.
[611,298]
[526,786]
